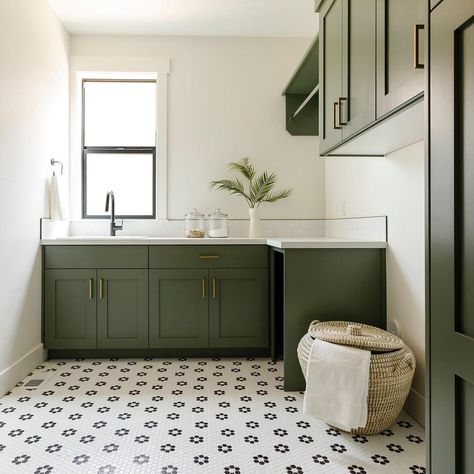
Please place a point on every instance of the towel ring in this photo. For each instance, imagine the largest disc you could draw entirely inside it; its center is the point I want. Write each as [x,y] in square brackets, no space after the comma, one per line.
[56,162]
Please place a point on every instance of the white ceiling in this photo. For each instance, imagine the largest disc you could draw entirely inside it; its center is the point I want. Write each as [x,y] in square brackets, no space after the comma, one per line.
[287,18]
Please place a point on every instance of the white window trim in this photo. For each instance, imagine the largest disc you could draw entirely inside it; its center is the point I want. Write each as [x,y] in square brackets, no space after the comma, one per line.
[123,67]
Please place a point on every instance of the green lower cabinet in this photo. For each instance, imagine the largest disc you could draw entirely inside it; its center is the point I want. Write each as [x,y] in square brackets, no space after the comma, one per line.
[326,285]
[238,308]
[122,309]
[70,309]
[202,307]
[179,308]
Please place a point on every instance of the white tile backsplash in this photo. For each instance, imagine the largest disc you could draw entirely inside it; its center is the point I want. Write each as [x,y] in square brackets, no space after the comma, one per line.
[364,228]
[368,228]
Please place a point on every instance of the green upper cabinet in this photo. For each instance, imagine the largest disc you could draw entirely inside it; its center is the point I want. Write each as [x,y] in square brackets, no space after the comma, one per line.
[122,308]
[179,308]
[347,69]
[357,105]
[330,74]
[238,308]
[70,309]
[399,52]
[302,95]
[370,67]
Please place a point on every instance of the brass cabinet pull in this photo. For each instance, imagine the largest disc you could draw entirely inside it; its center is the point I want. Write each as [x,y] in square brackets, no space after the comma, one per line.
[416,46]
[91,288]
[203,287]
[101,288]
[341,100]
[334,116]
[214,288]
[208,257]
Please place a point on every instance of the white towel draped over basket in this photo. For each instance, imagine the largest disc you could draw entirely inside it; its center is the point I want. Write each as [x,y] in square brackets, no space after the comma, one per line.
[337,382]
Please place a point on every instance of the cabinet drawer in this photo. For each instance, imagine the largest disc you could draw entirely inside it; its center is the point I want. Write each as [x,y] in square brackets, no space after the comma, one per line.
[209,256]
[96,256]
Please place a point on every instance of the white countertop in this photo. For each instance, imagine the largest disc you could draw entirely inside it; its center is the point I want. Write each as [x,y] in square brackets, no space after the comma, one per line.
[323,243]
[278,242]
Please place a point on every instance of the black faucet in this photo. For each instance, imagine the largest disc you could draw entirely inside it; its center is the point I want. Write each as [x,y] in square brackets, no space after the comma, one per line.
[111,200]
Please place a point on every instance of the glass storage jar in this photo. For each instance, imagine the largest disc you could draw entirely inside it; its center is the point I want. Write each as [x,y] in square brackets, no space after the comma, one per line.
[195,224]
[218,224]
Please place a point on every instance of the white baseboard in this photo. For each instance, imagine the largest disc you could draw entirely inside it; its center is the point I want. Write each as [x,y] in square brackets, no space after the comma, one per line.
[21,368]
[415,406]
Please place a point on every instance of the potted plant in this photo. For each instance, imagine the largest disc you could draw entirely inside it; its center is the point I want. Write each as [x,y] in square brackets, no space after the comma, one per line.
[256,190]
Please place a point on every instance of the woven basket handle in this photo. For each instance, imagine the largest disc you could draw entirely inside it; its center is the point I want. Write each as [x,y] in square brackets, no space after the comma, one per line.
[409,360]
[354,329]
[312,324]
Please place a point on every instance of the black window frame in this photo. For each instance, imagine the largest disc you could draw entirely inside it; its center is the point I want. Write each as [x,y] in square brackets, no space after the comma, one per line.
[112,149]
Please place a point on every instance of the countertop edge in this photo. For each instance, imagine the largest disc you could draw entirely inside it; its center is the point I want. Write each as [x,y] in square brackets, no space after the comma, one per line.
[359,244]
[152,241]
[281,243]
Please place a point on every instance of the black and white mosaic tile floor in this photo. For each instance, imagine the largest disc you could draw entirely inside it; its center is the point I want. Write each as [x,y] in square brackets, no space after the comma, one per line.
[184,416]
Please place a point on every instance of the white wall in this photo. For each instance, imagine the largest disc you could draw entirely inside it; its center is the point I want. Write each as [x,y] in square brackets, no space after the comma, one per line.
[33,128]
[224,103]
[392,186]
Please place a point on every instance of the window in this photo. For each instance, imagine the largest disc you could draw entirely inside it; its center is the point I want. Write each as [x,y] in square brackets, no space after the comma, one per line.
[119,147]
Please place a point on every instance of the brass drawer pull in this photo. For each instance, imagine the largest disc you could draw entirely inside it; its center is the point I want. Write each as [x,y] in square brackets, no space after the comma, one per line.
[91,288]
[334,116]
[416,46]
[214,288]
[341,100]
[203,287]
[208,257]
[101,288]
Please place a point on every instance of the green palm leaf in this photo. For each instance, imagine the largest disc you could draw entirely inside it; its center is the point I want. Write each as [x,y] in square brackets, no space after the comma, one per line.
[232,186]
[262,186]
[244,167]
[272,197]
[259,189]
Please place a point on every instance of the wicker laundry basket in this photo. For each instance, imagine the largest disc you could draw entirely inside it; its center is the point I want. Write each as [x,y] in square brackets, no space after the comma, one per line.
[392,366]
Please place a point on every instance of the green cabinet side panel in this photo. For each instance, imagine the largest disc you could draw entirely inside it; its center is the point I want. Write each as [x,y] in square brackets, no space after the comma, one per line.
[238,308]
[397,78]
[122,309]
[179,308]
[328,285]
[70,309]
[96,256]
[306,123]
[303,82]
[306,76]
[209,256]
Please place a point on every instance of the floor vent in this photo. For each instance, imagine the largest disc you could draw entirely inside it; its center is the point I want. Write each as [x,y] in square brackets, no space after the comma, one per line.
[36,380]
[34,383]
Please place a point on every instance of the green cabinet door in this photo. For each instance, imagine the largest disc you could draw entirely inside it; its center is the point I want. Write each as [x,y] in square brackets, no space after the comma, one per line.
[399,46]
[179,308]
[357,106]
[122,308]
[330,74]
[450,328]
[238,308]
[70,309]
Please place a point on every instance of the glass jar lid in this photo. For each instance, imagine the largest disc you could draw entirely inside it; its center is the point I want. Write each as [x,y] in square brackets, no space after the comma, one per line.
[194,214]
[218,214]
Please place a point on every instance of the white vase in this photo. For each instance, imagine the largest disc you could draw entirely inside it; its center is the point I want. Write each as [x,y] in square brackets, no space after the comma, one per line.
[255,228]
